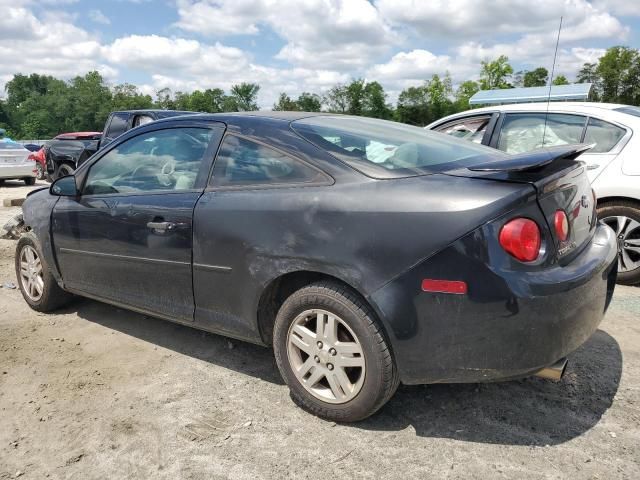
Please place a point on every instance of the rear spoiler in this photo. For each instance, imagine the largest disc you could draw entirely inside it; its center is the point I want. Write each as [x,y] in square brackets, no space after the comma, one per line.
[534,160]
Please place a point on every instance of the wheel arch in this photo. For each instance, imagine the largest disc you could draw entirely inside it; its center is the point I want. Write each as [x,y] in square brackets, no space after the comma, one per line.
[612,200]
[280,288]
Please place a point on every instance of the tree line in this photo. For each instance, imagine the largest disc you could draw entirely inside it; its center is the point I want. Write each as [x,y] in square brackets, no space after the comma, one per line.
[41,106]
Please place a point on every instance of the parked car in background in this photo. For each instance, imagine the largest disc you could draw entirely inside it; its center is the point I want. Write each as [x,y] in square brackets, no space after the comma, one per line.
[16,164]
[39,158]
[613,164]
[68,151]
[442,262]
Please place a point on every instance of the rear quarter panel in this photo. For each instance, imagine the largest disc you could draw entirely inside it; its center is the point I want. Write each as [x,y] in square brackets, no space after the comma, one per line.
[364,232]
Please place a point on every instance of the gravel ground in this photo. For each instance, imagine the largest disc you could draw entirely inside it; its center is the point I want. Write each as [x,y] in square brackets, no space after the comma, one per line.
[98,392]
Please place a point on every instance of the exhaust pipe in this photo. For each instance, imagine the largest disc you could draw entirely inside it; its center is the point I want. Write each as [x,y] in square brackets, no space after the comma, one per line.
[553,372]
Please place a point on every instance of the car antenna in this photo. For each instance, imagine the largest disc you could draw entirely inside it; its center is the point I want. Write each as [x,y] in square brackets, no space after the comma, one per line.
[553,68]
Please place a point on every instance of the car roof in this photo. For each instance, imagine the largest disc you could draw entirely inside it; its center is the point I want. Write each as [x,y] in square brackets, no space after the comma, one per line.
[239,118]
[153,110]
[542,106]
[605,111]
[76,135]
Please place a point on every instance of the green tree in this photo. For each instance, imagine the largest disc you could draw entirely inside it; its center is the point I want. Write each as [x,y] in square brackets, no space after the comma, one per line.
[374,103]
[588,73]
[245,96]
[285,103]
[337,99]
[465,91]
[355,97]
[413,106]
[91,102]
[309,102]
[536,78]
[495,74]
[165,99]
[615,69]
[560,80]
[439,92]
[128,97]
[211,100]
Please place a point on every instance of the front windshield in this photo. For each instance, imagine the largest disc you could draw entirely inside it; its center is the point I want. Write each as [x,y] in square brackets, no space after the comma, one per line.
[383,149]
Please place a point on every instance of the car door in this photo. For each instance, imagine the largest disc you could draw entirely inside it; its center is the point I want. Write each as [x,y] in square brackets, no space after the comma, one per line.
[525,131]
[127,237]
[241,211]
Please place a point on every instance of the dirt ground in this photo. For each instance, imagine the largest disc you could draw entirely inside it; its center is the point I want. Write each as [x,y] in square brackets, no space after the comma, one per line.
[98,392]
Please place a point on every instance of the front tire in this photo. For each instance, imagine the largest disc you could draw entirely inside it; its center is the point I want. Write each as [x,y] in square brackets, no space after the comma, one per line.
[332,353]
[30,181]
[37,285]
[624,218]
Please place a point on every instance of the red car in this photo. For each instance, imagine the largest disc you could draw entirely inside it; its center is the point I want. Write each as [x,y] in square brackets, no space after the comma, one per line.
[41,165]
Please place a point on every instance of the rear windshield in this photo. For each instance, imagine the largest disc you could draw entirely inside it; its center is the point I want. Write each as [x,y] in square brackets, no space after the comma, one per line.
[10,146]
[383,149]
[635,111]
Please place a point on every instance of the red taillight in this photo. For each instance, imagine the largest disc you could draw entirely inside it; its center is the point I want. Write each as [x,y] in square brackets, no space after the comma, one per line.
[561,222]
[520,237]
[444,286]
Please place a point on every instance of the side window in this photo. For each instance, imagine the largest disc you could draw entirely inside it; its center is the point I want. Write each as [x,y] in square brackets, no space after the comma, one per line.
[243,162]
[472,129]
[141,120]
[523,132]
[162,160]
[117,126]
[604,134]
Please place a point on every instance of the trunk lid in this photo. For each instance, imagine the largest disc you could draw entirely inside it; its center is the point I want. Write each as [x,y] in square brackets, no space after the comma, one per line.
[13,153]
[561,183]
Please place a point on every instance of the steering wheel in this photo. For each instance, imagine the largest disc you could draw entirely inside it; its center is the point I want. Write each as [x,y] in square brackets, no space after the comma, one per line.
[165,177]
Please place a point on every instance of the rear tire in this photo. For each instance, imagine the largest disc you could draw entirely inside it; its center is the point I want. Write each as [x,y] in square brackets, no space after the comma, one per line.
[63,170]
[37,285]
[40,175]
[320,372]
[30,181]
[624,218]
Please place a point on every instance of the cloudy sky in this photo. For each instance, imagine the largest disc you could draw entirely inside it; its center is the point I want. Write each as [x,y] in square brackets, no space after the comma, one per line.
[301,45]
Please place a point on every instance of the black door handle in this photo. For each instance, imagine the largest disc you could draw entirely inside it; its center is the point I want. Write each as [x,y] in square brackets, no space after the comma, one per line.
[161,227]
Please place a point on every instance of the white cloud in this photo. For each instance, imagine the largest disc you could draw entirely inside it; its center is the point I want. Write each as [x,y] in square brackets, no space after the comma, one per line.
[336,34]
[323,42]
[203,66]
[98,17]
[49,45]
[455,19]
[619,7]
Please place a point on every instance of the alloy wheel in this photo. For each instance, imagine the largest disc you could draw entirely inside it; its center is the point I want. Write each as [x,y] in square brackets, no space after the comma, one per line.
[31,277]
[326,356]
[40,171]
[628,235]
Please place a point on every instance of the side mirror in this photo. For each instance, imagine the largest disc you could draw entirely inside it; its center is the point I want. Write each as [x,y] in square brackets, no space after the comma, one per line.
[64,187]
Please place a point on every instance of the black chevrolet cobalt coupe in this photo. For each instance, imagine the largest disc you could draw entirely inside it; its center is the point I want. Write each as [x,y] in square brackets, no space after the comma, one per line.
[366,252]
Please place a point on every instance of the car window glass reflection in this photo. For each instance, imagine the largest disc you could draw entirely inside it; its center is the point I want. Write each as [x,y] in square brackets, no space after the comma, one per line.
[161,160]
[523,132]
[471,129]
[603,134]
[242,162]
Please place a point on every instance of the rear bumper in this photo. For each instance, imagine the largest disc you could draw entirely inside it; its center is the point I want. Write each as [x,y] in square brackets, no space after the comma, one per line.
[21,170]
[510,323]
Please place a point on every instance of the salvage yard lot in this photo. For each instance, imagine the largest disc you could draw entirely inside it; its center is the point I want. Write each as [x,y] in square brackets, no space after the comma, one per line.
[99,392]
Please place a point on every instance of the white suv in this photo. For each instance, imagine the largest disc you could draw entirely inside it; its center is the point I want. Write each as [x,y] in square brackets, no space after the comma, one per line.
[613,164]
